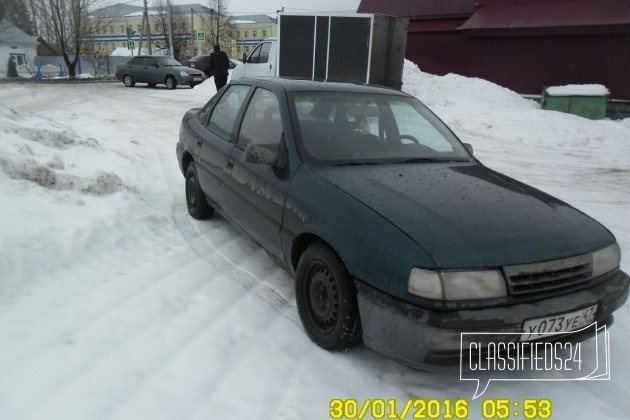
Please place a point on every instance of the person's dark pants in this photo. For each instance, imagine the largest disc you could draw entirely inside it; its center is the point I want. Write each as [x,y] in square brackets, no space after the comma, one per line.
[220,80]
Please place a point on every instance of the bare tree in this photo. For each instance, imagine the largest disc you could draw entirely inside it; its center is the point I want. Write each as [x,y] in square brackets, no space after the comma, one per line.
[66,23]
[178,24]
[16,12]
[96,58]
[218,23]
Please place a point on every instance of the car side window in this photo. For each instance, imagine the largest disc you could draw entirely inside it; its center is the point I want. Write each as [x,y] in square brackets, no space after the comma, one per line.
[254,56]
[225,112]
[138,61]
[261,122]
[265,49]
[261,54]
[148,62]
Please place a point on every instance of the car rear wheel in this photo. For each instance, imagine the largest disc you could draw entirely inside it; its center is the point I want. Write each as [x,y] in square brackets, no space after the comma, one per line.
[196,202]
[171,83]
[128,81]
[327,300]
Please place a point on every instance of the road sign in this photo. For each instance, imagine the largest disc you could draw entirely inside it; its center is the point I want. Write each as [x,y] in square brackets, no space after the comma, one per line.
[200,36]
[131,45]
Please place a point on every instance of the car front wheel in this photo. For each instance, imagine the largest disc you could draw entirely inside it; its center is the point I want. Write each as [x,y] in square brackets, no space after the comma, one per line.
[128,81]
[196,202]
[171,83]
[326,300]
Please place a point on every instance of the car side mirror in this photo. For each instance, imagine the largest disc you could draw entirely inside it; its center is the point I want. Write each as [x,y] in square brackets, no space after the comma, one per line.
[268,154]
[469,147]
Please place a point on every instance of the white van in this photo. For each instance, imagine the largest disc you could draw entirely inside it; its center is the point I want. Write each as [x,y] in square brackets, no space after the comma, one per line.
[355,48]
[261,62]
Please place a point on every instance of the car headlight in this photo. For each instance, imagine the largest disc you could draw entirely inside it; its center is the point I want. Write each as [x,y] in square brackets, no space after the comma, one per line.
[183,73]
[457,285]
[606,260]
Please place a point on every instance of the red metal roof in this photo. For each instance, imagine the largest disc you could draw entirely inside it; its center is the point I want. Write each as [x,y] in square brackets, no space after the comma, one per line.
[429,9]
[554,13]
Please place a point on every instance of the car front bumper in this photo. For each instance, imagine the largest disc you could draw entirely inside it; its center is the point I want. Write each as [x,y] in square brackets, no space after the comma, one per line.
[429,339]
[190,80]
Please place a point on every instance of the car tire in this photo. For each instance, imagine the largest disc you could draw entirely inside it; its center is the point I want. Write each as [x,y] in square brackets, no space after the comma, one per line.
[196,202]
[170,82]
[327,300]
[128,81]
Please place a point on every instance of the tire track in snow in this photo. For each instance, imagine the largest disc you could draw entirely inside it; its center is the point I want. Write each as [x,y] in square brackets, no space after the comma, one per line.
[200,343]
[101,336]
[212,254]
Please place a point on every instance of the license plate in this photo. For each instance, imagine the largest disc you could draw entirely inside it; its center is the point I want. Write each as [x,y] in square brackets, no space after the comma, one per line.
[557,324]
[198,79]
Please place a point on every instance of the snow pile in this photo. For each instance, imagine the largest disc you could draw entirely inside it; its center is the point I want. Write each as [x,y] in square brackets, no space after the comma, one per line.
[578,90]
[34,153]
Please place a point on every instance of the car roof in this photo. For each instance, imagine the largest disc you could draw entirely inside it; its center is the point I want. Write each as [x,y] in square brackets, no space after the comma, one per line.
[299,85]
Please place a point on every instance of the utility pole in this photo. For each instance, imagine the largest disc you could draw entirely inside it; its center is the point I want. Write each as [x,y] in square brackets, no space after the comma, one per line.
[170,27]
[192,30]
[145,24]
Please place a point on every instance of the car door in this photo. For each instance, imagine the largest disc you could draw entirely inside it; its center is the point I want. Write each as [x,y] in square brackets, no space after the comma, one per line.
[151,71]
[135,67]
[258,63]
[216,128]
[254,194]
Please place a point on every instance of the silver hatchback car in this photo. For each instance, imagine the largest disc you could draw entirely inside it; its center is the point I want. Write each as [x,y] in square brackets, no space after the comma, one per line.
[155,70]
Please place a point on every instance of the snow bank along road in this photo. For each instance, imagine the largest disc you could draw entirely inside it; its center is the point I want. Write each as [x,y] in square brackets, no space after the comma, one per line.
[114,304]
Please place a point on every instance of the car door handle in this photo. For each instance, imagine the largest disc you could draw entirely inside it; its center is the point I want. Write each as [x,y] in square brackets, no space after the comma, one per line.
[229,163]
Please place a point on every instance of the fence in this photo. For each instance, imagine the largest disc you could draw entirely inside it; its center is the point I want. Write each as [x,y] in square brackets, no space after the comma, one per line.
[96,66]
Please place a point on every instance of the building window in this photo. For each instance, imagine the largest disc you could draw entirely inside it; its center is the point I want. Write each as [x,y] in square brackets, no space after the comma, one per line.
[246,49]
[20,59]
[113,46]
[111,29]
[157,27]
[139,29]
[122,28]
[254,34]
[264,33]
[122,44]
[238,49]
[245,36]
[238,34]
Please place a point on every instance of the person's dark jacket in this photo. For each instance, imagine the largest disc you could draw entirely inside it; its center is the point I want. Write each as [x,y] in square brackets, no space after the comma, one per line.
[219,63]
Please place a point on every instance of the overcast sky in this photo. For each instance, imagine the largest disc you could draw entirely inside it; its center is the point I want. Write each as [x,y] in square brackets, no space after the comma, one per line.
[271,6]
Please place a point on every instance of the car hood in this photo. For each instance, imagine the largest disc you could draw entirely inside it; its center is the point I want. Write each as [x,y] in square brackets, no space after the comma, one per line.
[466,215]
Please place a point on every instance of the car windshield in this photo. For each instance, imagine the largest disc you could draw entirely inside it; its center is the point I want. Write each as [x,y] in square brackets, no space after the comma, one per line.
[341,128]
[167,61]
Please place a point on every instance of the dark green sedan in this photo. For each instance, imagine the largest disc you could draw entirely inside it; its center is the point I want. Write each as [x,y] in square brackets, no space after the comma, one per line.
[157,70]
[396,234]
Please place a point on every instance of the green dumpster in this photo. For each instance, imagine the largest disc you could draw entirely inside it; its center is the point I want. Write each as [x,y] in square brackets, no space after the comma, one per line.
[587,101]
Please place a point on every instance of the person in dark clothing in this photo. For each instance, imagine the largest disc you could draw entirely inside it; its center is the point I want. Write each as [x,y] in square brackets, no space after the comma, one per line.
[11,68]
[219,65]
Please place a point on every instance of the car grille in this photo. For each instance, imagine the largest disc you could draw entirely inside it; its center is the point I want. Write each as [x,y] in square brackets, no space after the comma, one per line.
[549,276]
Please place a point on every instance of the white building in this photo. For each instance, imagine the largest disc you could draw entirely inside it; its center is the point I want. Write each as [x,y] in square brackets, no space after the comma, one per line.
[17,45]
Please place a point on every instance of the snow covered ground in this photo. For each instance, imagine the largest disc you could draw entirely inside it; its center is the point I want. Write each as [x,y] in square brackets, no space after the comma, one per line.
[115,304]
